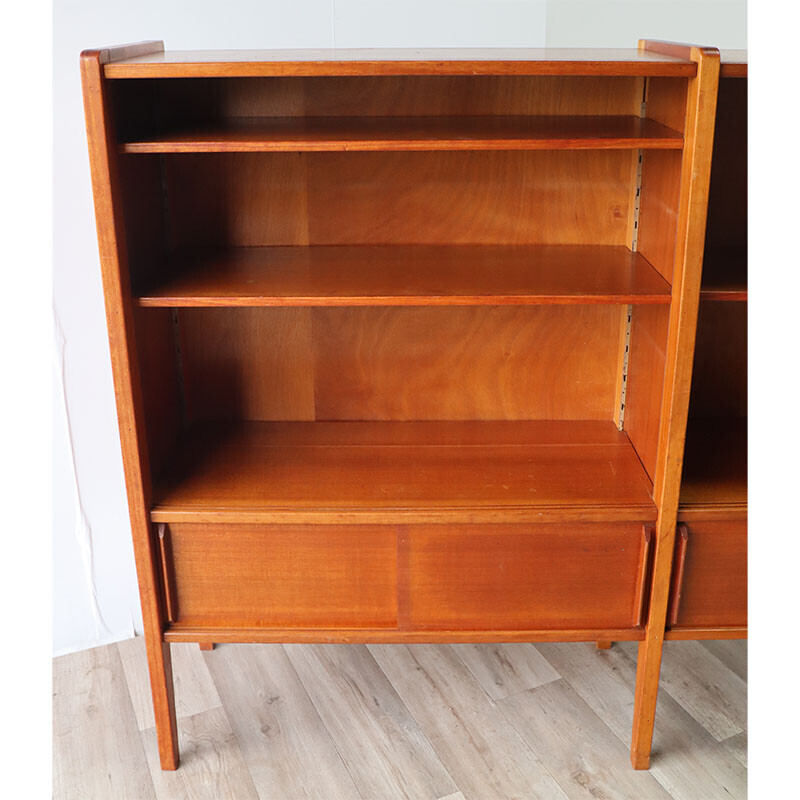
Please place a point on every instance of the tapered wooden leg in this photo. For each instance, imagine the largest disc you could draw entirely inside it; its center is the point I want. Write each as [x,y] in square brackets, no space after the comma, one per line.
[604,645]
[160,664]
[206,645]
[648,670]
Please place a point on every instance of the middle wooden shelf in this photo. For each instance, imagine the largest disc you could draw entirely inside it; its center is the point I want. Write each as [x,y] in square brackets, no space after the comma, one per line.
[402,275]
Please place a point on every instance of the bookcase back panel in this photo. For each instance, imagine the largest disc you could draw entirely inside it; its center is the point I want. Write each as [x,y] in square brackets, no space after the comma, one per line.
[719,377]
[727,200]
[147,104]
[544,197]
[248,363]
[505,362]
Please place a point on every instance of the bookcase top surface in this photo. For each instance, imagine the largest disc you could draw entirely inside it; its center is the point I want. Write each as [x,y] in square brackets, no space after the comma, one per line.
[733,63]
[444,61]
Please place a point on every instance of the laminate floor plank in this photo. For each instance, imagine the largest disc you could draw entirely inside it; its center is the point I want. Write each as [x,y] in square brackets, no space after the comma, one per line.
[731,652]
[687,761]
[385,751]
[211,767]
[286,746]
[714,695]
[586,759]
[378,722]
[737,747]
[485,756]
[194,689]
[504,670]
[97,752]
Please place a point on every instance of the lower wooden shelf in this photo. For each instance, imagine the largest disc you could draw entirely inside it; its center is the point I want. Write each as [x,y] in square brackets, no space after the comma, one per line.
[402,472]
[715,465]
[401,531]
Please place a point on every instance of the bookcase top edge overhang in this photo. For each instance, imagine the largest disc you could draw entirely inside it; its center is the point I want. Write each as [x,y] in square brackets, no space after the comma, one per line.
[121,63]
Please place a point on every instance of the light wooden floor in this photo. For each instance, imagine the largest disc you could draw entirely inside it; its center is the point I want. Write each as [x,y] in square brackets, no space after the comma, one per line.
[462,722]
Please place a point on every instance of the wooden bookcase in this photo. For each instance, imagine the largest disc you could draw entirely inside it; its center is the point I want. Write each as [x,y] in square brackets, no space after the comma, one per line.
[402,341]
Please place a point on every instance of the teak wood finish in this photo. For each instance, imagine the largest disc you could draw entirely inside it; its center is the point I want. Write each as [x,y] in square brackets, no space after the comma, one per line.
[402,345]
[699,107]
[709,600]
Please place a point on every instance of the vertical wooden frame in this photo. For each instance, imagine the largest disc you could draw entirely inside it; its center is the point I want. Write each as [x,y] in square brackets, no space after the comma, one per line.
[690,237]
[127,385]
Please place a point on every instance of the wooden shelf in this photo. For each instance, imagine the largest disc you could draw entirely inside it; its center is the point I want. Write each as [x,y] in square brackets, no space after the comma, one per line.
[317,134]
[392,472]
[724,274]
[398,61]
[715,463]
[406,275]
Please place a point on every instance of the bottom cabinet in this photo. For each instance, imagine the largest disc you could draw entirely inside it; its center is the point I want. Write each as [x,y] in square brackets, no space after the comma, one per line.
[536,577]
[709,577]
[432,577]
[280,576]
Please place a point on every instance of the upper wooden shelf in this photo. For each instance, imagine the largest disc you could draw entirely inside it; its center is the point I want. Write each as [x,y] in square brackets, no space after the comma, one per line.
[715,463]
[448,61]
[306,134]
[405,275]
[393,472]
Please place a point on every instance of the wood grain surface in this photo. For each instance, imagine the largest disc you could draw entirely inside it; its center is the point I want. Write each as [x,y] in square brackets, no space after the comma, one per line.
[179,102]
[715,465]
[386,61]
[284,576]
[376,473]
[317,134]
[400,275]
[402,472]
[712,589]
[491,197]
[112,245]
[689,240]
[278,718]
[489,362]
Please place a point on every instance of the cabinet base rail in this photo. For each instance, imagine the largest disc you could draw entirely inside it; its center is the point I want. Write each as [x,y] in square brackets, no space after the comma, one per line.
[390,635]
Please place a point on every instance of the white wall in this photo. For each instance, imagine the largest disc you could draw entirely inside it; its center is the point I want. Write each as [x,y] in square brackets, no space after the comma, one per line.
[95,596]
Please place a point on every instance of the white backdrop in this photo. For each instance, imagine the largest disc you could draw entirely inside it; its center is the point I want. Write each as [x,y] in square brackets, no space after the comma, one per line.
[94,593]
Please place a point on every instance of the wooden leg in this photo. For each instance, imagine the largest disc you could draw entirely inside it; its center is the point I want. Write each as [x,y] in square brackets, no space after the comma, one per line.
[648,670]
[206,645]
[159,661]
[604,645]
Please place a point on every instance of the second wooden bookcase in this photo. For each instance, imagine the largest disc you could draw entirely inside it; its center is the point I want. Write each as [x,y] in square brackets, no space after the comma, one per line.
[709,592]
